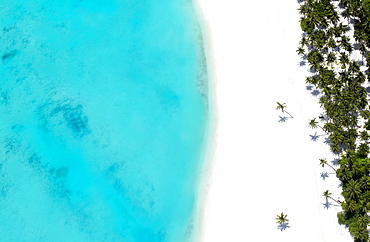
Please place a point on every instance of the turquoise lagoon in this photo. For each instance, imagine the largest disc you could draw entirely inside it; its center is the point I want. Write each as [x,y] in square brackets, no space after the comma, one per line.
[104,116]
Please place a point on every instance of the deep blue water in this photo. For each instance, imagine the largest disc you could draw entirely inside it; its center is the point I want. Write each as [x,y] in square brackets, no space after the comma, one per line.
[104,110]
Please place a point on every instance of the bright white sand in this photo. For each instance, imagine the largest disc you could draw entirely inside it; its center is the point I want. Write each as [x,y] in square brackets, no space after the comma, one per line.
[263,167]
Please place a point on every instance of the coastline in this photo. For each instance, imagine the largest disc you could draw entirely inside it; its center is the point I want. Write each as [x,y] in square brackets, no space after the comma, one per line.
[210,135]
[246,184]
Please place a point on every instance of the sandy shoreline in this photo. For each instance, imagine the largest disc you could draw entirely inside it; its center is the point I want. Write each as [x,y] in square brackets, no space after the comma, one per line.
[211,130]
[262,167]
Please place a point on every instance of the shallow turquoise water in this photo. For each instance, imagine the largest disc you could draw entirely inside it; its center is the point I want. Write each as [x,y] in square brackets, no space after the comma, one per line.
[104,112]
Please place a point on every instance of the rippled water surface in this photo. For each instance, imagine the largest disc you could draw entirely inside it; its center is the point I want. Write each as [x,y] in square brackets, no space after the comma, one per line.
[103,110]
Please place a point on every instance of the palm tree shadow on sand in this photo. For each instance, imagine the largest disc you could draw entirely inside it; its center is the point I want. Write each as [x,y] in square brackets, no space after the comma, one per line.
[315,137]
[315,93]
[325,175]
[309,88]
[283,226]
[283,119]
[328,205]
[327,141]
[335,162]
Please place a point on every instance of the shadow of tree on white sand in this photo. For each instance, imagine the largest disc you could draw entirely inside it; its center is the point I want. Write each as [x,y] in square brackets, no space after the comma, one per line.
[315,137]
[328,204]
[315,93]
[309,88]
[283,226]
[324,175]
[282,119]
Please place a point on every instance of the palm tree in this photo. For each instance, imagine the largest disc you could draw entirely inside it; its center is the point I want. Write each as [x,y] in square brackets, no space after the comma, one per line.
[363,221]
[361,206]
[314,124]
[345,43]
[327,195]
[300,51]
[365,114]
[330,127]
[324,162]
[364,135]
[336,137]
[352,190]
[315,58]
[365,183]
[363,150]
[331,58]
[344,174]
[282,107]
[336,149]
[307,25]
[331,43]
[282,218]
[344,60]
[344,98]
[359,235]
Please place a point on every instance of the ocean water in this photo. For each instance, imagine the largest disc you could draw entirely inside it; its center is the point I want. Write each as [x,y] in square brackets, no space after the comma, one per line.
[104,113]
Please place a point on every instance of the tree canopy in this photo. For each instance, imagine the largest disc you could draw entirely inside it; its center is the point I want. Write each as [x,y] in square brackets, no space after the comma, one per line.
[336,42]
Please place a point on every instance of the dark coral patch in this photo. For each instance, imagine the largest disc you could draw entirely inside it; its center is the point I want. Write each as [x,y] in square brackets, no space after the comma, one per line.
[76,120]
[71,115]
[62,171]
[9,55]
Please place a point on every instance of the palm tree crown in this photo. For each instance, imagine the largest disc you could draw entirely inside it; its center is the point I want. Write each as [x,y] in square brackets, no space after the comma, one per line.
[313,123]
[324,162]
[282,218]
[282,107]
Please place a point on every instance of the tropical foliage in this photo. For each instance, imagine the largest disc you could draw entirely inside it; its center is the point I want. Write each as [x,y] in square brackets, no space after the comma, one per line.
[282,107]
[282,218]
[324,162]
[330,50]
[327,195]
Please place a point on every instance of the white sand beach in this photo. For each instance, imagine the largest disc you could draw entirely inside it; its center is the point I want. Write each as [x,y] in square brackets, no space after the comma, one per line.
[261,166]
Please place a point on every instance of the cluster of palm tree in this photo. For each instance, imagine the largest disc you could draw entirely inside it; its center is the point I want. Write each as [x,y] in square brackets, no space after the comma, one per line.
[354,176]
[328,46]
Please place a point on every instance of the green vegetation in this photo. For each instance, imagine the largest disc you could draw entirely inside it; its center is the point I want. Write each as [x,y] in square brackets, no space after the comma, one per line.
[282,107]
[314,124]
[282,218]
[327,195]
[330,49]
[324,162]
